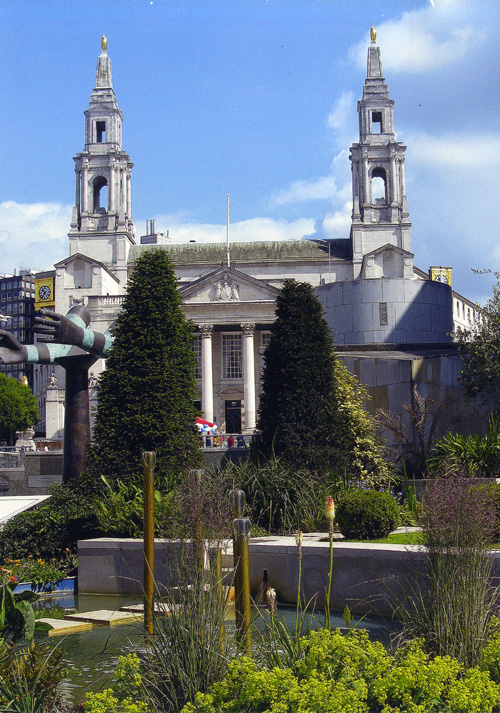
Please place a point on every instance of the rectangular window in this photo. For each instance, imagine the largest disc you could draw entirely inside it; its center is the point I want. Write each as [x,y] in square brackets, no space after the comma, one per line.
[231,356]
[383,314]
[376,122]
[197,356]
[265,338]
[100,128]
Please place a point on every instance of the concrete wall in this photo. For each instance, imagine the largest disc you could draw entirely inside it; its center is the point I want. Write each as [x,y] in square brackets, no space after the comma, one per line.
[417,311]
[389,377]
[41,471]
[367,577]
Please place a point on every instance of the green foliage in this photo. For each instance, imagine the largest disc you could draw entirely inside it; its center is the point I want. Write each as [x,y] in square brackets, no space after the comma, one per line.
[120,511]
[414,440]
[480,350]
[311,410]
[280,498]
[448,599]
[18,407]
[366,514]
[147,392]
[30,678]
[191,646]
[124,695]
[351,674]
[472,456]
[17,617]
[53,527]
[44,574]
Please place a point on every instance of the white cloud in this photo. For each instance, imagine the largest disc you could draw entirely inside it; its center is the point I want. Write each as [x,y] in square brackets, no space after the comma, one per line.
[256,229]
[33,235]
[433,37]
[343,120]
[324,188]
[453,151]
[338,224]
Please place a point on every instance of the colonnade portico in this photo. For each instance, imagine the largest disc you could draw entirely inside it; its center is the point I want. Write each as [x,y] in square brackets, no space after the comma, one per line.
[247,331]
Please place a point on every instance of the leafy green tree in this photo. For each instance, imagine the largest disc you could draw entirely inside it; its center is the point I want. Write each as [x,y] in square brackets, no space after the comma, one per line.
[311,409]
[18,407]
[480,349]
[146,393]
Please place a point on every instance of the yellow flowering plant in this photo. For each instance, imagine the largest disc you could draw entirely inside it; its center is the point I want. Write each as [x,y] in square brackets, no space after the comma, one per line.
[40,572]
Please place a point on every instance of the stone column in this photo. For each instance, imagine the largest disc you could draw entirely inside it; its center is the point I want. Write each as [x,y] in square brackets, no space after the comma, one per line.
[129,195]
[207,382]
[85,189]
[78,189]
[111,188]
[249,376]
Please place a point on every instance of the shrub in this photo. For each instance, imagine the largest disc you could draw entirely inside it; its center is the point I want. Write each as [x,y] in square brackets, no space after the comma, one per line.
[53,527]
[350,673]
[191,646]
[280,497]
[473,456]
[30,678]
[125,693]
[449,598]
[120,510]
[366,514]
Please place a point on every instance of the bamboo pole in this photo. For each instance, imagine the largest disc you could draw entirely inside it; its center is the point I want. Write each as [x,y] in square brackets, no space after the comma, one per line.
[241,535]
[148,458]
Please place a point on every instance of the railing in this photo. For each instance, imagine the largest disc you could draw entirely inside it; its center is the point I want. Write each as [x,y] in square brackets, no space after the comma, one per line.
[11,458]
[226,441]
[106,300]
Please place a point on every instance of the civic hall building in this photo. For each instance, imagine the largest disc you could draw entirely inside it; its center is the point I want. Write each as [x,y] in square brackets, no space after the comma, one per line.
[392,323]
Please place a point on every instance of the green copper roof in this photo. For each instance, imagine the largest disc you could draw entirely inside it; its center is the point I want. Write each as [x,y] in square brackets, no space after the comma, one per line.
[215,253]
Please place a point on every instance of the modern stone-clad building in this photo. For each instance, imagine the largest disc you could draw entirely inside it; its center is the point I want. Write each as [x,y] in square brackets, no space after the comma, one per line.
[392,322]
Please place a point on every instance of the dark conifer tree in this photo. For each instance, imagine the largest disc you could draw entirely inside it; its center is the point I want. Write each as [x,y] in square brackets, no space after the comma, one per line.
[311,410]
[146,393]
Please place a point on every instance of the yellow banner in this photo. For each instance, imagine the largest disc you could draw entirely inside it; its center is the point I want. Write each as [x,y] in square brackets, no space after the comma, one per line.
[44,292]
[441,274]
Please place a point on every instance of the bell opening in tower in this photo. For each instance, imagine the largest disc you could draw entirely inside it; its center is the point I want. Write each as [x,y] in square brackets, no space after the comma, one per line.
[100,128]
[376,122]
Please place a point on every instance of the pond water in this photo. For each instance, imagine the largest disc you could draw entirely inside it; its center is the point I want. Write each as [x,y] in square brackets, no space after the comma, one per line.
[91,656]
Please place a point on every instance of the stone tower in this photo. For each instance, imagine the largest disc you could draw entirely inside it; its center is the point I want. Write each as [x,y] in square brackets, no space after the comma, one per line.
[101,224]
[380,212]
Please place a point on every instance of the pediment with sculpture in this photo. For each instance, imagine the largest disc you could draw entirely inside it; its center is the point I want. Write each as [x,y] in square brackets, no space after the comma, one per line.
[226,285]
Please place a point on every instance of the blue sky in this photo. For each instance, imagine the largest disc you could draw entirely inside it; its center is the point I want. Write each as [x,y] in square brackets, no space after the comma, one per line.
[256,98]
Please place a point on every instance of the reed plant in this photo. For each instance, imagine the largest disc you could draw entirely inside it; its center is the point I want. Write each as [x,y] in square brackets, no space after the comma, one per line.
[282,498]
[191,646]
[449,598]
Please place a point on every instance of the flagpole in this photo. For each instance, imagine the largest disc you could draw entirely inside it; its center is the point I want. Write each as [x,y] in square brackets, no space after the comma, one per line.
[227,235]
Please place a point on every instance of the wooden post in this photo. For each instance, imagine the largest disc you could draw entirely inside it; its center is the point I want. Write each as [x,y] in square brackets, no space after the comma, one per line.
[148,458]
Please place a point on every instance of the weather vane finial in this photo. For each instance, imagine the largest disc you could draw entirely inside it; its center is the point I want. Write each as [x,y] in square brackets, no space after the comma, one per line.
[373,34]
[104,43]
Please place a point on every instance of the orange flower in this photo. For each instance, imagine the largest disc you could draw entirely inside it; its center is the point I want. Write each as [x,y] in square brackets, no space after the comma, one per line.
[13,579]
[329,509]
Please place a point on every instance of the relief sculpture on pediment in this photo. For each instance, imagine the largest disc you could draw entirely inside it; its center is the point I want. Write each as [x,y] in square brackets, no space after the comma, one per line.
[225,290]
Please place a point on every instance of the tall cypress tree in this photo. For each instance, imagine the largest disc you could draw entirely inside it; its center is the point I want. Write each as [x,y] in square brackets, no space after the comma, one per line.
[146,393]
[311,409]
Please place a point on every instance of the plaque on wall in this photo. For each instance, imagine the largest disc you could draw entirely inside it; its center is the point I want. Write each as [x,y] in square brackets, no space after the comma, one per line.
[44,481]
[4,483]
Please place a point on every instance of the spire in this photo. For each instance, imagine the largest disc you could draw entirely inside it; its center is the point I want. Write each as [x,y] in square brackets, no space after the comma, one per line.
[380,212]
[103,179]
[103,76]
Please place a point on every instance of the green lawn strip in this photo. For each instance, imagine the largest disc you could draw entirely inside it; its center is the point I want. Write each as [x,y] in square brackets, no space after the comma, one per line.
[401,538]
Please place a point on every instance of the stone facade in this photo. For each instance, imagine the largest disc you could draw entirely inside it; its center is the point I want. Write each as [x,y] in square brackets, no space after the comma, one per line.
[372,293]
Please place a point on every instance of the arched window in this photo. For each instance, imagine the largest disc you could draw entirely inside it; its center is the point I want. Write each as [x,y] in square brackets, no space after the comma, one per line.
[379,186]
[100,195]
